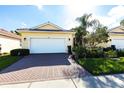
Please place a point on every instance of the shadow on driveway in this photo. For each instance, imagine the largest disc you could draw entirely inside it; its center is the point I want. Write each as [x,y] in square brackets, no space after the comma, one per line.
[39,60]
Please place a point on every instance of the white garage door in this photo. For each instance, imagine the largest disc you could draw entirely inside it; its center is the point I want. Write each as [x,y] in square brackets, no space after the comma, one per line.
[44,45]
[119,43]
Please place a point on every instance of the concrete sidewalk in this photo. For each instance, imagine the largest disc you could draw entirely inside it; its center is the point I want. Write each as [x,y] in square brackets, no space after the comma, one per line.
[107,81]
[63,83]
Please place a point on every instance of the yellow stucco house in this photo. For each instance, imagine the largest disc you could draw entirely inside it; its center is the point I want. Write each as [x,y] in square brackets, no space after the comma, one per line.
[117,37]
[46,38]
[50,38]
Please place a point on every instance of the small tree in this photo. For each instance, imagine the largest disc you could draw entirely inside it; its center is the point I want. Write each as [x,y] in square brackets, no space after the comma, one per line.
[99,36]
[81,34]
[85,39]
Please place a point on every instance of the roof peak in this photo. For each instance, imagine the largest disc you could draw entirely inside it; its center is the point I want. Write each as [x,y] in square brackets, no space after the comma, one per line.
[48,23]
[116,27]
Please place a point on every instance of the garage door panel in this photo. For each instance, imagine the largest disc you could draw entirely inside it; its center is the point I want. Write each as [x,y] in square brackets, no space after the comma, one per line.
[42,45]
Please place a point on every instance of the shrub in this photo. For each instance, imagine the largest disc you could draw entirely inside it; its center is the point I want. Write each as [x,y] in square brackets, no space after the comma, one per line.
[19,52]
[111,54]
[97,53]
[107,49]
[113,47]
[80,51]
[120,53]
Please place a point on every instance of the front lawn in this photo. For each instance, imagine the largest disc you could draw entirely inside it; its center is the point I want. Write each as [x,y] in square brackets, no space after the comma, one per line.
[8,60]
[101,66]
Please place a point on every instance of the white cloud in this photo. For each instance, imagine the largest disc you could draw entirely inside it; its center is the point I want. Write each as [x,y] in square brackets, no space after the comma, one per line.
[39,7]
[112,18]
[76,10]
[117,11]
[105,20]
[23,25]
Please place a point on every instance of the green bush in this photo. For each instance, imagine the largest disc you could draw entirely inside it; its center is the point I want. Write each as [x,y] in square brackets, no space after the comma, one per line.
[107,49]
[80,51]
[113,47]
[120,53]
[96,53]
[19,52]
[111,54]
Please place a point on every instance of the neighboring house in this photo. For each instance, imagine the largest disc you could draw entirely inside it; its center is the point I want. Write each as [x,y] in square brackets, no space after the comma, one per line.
[46,38]
[117,37]
[8,41]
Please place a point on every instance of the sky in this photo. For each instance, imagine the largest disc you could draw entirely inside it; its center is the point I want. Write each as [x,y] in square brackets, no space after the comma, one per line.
[13,17]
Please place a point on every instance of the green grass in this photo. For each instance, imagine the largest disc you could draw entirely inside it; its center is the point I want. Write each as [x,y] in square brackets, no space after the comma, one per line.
[8,60]
[101,66]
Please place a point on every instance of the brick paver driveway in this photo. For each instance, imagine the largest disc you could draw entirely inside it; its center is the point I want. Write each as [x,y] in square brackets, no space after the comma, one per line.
[36,67]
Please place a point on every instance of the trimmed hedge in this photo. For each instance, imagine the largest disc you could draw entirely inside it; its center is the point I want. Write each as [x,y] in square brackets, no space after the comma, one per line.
[19,52]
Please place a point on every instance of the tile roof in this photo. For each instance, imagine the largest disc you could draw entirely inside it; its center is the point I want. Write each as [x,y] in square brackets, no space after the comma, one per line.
[43,30]
[40,28]
[9,34]
[117,30]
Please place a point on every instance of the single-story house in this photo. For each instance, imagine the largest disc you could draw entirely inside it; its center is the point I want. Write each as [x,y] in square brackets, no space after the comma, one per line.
[46,38]
[8,41]
[117,37]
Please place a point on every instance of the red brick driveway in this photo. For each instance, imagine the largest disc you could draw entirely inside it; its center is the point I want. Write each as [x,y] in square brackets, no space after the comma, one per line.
[37,68]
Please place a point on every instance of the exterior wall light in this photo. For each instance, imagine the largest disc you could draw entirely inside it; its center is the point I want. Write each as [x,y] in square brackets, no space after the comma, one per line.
[24,39]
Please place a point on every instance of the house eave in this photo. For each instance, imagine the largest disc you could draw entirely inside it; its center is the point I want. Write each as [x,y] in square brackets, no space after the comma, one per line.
[47,30]
[53,32]
[116,32]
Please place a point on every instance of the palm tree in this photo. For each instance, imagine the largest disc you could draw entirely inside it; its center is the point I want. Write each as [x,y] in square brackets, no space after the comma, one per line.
[81,31]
